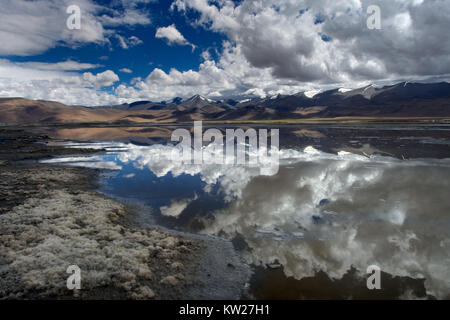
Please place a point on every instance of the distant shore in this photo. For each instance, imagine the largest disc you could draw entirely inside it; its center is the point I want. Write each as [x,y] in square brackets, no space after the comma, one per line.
[315,121]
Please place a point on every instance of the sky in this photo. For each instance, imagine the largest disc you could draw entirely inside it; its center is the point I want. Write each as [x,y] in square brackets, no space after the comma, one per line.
[130,50]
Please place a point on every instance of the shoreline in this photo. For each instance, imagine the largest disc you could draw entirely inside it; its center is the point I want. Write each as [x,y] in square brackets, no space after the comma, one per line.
[53,216]
[300,121]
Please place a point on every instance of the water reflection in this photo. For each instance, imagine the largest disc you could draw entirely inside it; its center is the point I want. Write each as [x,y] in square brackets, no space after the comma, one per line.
[391,215]
[408,141]
[321,212]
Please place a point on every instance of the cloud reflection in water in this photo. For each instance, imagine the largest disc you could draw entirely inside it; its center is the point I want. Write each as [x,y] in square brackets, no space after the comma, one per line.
[325,212]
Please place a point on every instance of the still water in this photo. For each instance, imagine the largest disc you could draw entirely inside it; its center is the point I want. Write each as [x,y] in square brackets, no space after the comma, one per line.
[344,198]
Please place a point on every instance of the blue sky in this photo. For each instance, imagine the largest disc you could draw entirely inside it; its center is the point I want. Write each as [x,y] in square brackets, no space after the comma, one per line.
[129,50]
[141,59]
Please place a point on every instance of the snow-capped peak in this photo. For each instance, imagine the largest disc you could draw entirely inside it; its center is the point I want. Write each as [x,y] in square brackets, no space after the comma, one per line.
[311,93]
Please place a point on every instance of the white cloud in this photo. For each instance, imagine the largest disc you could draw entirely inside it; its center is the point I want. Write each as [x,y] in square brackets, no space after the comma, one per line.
[173,36]
[232,75]
[68,65]
[99,80]
[278,48]
[32,27]
[128,17]
[126,70]
[284,37]
[50,82]
[128,43]
[22,72]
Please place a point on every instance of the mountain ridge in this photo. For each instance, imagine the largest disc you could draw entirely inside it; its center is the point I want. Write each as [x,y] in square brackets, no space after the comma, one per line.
[405,99]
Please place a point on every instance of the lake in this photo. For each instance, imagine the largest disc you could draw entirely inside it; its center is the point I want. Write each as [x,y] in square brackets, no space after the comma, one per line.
[344,197]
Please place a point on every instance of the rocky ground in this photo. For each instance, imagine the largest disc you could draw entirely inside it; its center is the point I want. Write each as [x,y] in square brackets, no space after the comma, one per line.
[51,217]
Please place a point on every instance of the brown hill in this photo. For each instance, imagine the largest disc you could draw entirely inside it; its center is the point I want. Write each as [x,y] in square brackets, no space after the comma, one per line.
[20,110]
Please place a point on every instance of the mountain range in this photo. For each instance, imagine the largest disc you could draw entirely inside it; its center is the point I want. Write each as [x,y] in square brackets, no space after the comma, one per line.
[402,100]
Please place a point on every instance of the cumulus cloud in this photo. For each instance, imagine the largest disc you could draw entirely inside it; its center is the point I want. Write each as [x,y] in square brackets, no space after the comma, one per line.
[172,35]
[99,80]
[288,37]
[232,75]
[304,45]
